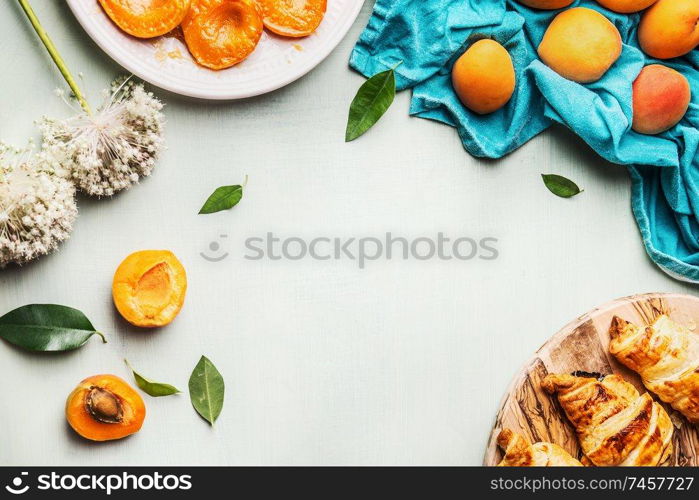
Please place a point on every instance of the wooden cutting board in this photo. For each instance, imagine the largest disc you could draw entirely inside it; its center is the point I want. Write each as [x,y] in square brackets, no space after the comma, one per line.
[583,345]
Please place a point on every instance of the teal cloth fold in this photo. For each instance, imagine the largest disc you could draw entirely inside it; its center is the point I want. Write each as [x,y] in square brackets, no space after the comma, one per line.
[427,36]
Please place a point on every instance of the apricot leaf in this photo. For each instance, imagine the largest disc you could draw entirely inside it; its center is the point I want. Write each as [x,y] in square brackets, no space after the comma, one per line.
[47,327]
[155,389]
[560,186]
[206,389]
[223,198]
[373,99]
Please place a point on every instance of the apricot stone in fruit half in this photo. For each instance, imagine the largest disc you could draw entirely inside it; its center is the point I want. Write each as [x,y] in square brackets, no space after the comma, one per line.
[670,28]
[146,18]
[626,6]
[293,18]
[105,407]
[661,97]
[149,288]
[221,33]
[484,77]
[546,4]
[580,44]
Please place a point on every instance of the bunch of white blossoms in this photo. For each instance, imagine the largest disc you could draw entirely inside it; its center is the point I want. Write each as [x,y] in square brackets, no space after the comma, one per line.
[99,154]
[37,207]
[112,149]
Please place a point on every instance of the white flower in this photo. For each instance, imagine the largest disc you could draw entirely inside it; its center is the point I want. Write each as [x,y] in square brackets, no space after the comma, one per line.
[37,207]
[111,150]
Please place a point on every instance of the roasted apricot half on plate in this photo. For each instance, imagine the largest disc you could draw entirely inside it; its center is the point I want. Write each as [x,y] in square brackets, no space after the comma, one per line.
[149,288]
[221,33]
[146,18]
[294,18]
[105,407]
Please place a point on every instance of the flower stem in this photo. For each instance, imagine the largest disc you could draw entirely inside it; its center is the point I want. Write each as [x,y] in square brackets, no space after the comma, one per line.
[53,52]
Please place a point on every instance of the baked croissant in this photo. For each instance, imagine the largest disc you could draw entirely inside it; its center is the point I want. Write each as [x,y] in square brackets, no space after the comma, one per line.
[519,452]
[615,425]
[666,356]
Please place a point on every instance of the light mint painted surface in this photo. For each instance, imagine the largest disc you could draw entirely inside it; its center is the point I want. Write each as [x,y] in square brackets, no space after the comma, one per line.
[399,363]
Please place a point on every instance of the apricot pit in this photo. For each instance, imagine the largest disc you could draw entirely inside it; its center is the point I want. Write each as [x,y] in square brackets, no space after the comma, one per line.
[104,408]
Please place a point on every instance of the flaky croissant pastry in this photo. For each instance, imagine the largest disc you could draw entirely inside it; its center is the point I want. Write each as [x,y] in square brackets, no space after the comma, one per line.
[615,425]
[666,356]
[519,452]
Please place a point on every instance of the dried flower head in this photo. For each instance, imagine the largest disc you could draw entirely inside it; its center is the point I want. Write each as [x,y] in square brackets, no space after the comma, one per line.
[37,207]
[112,149]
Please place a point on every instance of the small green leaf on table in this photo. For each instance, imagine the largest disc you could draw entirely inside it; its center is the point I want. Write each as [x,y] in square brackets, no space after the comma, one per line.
[155,389]
[560,186]
[223,198]
[373,99]
[206,390]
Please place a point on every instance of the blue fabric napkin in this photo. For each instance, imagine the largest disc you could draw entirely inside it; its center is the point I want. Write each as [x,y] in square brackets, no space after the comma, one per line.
[427,36]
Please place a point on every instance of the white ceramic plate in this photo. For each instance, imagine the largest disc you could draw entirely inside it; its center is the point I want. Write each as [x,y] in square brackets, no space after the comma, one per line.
[166,63]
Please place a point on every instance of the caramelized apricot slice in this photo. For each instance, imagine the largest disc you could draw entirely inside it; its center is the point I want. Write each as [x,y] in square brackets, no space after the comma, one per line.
[105,407]
[294,18]
[196,7]
[146,18]
[221,33]
[149,288]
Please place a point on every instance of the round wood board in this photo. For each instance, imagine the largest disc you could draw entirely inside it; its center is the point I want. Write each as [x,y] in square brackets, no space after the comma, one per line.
[583,345]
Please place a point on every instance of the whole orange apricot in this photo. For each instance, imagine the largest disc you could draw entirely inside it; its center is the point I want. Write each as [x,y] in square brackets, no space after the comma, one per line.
[484,77]
[626,6]
[670,28]
[661,97]
[580,44]
[146,18]
[105,407]
[149,288]
[546,4]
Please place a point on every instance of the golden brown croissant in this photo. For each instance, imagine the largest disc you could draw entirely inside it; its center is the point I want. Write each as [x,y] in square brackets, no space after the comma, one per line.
[615,425]
[519,452]
[666,356]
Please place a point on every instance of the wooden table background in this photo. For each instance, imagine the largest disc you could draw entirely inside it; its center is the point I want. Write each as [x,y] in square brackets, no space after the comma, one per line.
[399,363]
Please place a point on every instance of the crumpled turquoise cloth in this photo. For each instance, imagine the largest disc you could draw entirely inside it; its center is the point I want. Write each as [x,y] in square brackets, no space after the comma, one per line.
[427,36]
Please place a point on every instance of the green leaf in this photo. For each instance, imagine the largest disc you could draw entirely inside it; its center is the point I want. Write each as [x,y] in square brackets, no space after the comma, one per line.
[560,186]
[155,389]
[206,389]
[223,198]
[373,98]
[47,327]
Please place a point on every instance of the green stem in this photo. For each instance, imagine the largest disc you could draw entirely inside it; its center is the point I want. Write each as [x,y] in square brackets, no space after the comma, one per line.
[53,52]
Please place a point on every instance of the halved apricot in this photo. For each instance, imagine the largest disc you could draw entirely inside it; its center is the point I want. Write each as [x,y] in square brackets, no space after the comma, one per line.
[149,288]
[221,33]
[105,407]
[146,18]
[294,18]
